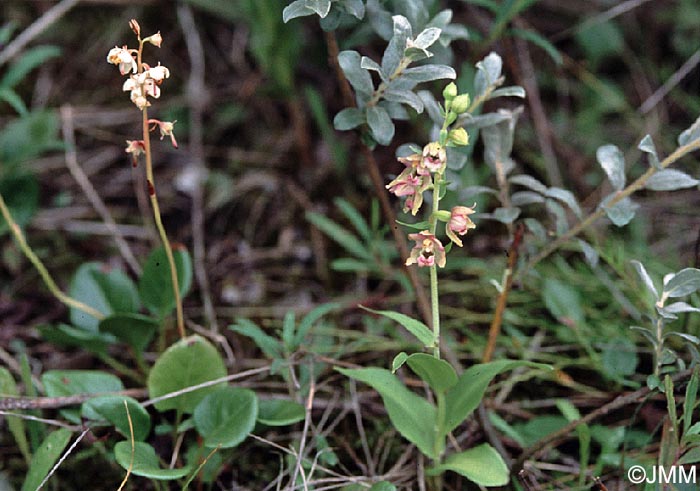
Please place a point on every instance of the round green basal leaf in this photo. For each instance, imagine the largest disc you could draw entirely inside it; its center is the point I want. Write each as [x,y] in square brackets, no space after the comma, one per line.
[482,465]
[61,383]
[189,362]
[225,417]
[113,410]
[280,412]
[136,330]
[108,291]
[155,284]
[145,462]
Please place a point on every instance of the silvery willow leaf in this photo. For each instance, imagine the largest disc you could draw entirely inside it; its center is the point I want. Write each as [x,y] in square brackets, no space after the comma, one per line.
[404,97]
[488,73]
[348,118]
[358,77]
[397,45]
[670,180]
[690,135]
[646,279]
[528,182]
[647,146]
[296,9]
[683,283]
[381,125]
[566,197]
[622,212]
[612,161]
[512,91]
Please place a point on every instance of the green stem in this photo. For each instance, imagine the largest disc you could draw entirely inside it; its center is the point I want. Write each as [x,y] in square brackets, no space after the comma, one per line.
[156,210]
[434,294]
[41,269]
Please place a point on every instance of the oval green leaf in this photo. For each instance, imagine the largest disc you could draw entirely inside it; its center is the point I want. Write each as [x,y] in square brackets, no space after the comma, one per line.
[113,410]
[136,330]
[61,383]
[414,326]
[225,417]
[482,465]
[411,415]
[438,374]
[108,291]
[155,284]
[280,412]
[189,362]
[145,462]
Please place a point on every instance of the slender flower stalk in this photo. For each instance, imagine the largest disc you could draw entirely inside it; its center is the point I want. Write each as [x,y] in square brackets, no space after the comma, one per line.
[43,272]
[144,81]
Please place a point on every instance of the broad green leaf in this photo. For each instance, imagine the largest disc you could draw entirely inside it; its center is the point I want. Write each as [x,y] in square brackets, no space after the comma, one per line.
[8,387]
[21,194]
[339,234]
[280,412]
[612,161]
[145,462]
[225,417]
[113,410]
[622,212]
[562,301]
[381,125]
[414,326]
[107,291]
[646,279]
[45,457]
[30,59]
[465,396]
[690,135]
[411,415]
[348,118]
[683,283]
[156,285]
[670,180]
[270,346]
[647,146]
[136,330]
[189,362]
[359,78]
[438,374]
[60,383]
[296,9]
[488,73]
[397,44]
[482,465]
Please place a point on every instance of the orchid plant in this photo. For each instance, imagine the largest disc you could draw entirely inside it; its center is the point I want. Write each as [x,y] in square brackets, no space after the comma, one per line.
[144,81]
